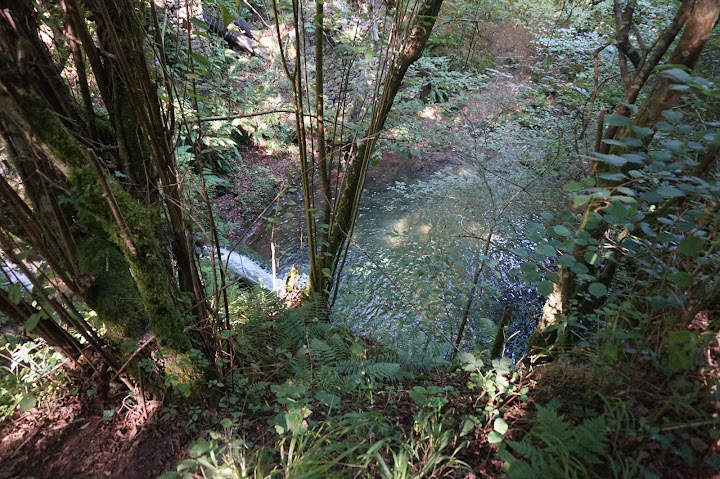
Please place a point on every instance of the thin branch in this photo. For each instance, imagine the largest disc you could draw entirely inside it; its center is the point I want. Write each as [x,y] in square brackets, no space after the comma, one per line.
[244,115]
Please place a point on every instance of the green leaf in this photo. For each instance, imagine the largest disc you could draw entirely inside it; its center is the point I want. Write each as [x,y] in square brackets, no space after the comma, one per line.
[202,25]
[495,438]
[591,257]
[562,230]
[626,191]
[613,160]
[614,142]
[500,426]
[567,260]
[470,361]
[108,414]
[580,200]
[199,447]
[201,59]
[642,132]
[597,289]
[545,250]
[617,120]
[32,321]
[329,400]
[15,294]
[545,287]
[633,142]
[672,115]
[226,422]
[682,279]
[28,402]
[573,186]
[579,268]
[676,74]
[417,394]
[612,176]
[691,246]
[227,17]
[326,272]
[682,350]
[667,191]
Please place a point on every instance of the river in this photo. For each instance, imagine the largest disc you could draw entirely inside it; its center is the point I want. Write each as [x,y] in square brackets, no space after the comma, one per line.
[417,244]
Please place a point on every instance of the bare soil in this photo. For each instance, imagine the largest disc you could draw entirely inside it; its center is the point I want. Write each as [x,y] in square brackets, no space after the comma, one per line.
[68,437]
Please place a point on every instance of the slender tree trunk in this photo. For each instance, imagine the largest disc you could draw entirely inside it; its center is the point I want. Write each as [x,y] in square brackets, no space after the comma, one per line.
[346,209]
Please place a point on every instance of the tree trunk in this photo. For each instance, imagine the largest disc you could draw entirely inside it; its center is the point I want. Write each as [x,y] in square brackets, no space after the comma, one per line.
[346,209]
[41,118]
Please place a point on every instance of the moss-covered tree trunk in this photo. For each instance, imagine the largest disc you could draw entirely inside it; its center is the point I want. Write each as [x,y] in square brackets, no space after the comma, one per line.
[105,242]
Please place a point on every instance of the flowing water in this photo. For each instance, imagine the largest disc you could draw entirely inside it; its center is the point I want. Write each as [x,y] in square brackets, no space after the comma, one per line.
[410,266]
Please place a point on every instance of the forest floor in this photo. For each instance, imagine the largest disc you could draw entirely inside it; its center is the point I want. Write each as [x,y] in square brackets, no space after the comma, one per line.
[86,433]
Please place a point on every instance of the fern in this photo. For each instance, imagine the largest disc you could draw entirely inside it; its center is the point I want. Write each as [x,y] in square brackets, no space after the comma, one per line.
[300,344]
[556,448]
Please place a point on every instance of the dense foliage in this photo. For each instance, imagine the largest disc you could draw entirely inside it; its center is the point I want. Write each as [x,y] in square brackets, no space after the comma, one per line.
[544,300]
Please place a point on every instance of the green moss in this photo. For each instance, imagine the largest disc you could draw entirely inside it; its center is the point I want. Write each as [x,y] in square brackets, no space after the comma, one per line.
[150,271]
[113,295]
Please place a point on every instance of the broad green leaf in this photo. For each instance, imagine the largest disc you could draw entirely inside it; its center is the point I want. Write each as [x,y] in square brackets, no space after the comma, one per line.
[201,59]
[634,158]
[672,115]
[613,160]
[28,402]
[227,17]
[545,288]
[617,120]
[633,142]
[573,186]
[531,276]
[661,155]
[202,25]
[330,400]
[614,142]
[691,246]
[626,191]
[108,414]
[647,230]
[579,268]
[591,257]
[682,350]
[418,395]
[500,426]
[495,438]
[677,74]
[199,447]
[612,176]
[642,132]
[562,230]
[597,289]
[667,191]
[580,200]
[545,249]
[567,260]
[15,294]
[682,279]
[617,209]
[32,321]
